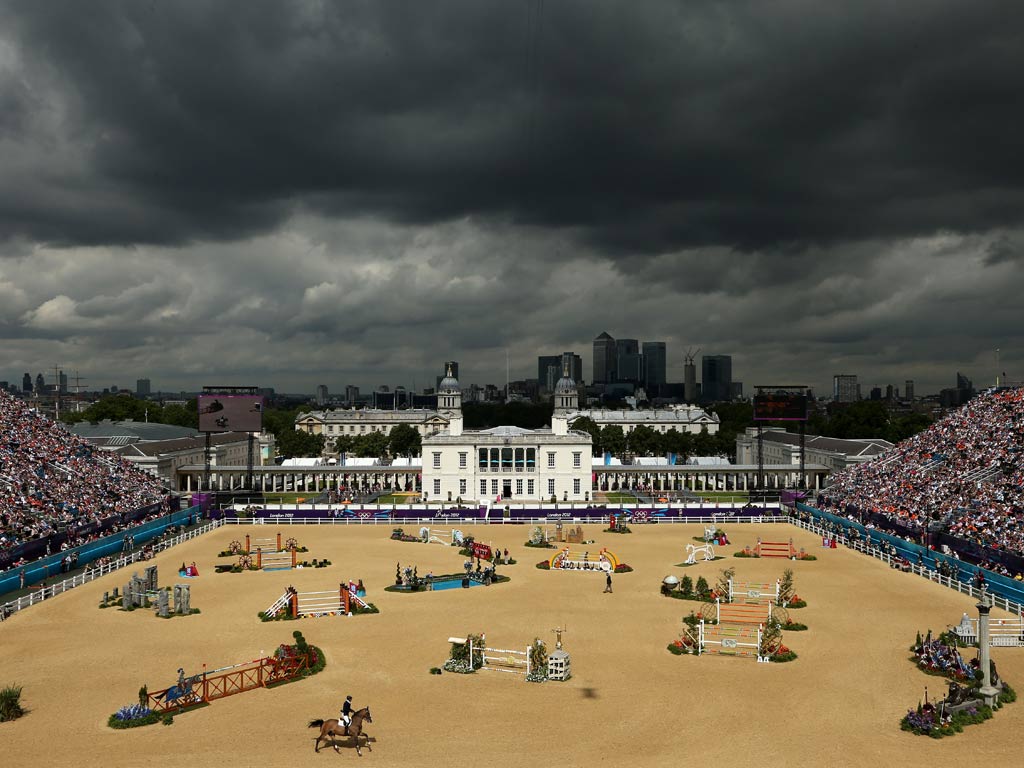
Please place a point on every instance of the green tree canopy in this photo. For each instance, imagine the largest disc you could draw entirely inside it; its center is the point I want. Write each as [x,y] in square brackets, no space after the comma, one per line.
[588,425]
[644,441]
[404,440]
[296,444]
[613,440]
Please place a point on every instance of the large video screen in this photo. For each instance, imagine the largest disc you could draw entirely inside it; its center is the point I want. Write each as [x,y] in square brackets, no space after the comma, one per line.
[780,407]
[230,413]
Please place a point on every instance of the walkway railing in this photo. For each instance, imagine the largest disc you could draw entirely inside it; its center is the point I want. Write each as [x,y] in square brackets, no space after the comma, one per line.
[900,562]
[93,572]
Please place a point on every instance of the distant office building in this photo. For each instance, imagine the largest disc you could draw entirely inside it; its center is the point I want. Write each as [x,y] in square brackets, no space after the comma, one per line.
[321,394]
[351,394]
[62,383]
[845,388]
[142,387]
[26,382]
[690,393]
[908,389]
[736,390]
[962,382]
[890,393]
[548,366]
[964,391]
[655,361]
[716,377]
[572,363]
[605,360]
[628,360]
[41,383]
[876,393]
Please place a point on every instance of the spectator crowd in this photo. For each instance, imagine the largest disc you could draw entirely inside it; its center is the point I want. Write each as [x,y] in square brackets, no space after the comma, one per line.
[51,480]
[965,471]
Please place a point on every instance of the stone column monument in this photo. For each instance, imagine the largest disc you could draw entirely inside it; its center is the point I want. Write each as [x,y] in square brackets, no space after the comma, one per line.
[987,691]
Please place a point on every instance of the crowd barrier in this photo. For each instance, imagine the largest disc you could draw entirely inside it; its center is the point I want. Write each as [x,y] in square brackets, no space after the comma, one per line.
[95,572]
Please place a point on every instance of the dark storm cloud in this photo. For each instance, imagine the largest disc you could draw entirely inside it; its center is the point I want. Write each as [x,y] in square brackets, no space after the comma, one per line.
[351,192]
[647,126]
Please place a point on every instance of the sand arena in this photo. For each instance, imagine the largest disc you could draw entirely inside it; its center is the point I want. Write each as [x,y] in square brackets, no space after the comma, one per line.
[630,701]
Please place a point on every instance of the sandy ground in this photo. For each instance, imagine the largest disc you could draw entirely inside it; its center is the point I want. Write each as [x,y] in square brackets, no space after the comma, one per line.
[630,701]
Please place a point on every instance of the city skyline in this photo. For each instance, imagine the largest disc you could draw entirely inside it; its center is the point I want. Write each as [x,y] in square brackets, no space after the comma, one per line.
[359,193]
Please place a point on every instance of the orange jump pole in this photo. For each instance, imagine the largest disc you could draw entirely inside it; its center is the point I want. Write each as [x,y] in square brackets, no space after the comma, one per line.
[259,558]
[278,541]
[247,543]
[293,558]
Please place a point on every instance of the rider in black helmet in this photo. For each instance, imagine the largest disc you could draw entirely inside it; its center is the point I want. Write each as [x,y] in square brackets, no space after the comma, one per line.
[346,713]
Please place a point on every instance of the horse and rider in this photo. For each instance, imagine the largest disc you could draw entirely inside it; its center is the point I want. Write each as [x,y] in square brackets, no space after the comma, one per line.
[348,726]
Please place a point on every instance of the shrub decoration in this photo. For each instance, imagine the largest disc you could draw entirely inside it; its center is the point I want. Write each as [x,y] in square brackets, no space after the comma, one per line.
[10,703]
[963,704]
[132,716]
[398,534]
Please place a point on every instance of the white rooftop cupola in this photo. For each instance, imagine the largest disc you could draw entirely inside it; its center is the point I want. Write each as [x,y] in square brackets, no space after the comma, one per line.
[566,397]
[449,403]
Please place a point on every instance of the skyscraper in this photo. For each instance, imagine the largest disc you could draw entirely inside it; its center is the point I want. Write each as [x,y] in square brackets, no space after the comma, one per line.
[544,365]
[321,394]
[573,365]
[908,389]
[605,359]
[655,360]
[716,377]
[627,357]
[62,383]
[26,382]
[142,387]
[844,388]
[690,380]
[41,383]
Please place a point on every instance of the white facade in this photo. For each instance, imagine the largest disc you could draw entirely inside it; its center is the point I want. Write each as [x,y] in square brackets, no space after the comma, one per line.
[507,463]
[352,423]
[781,447]
[683,418]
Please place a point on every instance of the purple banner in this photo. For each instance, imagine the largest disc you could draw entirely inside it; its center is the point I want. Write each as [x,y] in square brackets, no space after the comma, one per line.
[514,515]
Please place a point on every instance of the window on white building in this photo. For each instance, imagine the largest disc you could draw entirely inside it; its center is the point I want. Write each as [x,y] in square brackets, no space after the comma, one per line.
[437,459]
[462,487]
[551,460]
[494,487]
[362,427]
[483,487]
[576,486]
[519,487]
[529,487]
[462,459]
[576,458]
[437,487]
[551,487]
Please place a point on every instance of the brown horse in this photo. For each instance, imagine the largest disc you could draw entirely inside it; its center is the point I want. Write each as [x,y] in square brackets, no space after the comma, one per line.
[333,727]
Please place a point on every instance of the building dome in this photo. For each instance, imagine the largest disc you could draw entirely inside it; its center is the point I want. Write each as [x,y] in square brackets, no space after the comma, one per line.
[449,382]
[565,386]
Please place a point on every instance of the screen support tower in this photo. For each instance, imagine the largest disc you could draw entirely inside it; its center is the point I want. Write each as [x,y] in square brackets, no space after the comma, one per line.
[782,403]
[250,472]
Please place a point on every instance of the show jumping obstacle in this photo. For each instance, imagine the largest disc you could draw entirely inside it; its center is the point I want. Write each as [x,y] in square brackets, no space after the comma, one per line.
[567,560]
[269,554]
[317,604]
[1001,633]
[775,549]
[447,538]
[237,678]
[516,662]
[751,592]
[692,552]
[726,640]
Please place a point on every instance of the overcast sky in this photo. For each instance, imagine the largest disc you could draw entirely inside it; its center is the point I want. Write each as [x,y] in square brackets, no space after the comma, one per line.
[290,194]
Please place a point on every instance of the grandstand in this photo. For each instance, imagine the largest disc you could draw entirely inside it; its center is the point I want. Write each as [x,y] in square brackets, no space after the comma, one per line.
[53,483]
[963,477]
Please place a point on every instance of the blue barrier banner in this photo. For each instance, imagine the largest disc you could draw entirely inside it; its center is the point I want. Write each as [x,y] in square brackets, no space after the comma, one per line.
[917,554]
[49,567]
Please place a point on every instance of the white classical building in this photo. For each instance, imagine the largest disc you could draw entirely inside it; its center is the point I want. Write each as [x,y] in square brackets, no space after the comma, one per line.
[782,447]
[336,422]
[506,462]
[682,418]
